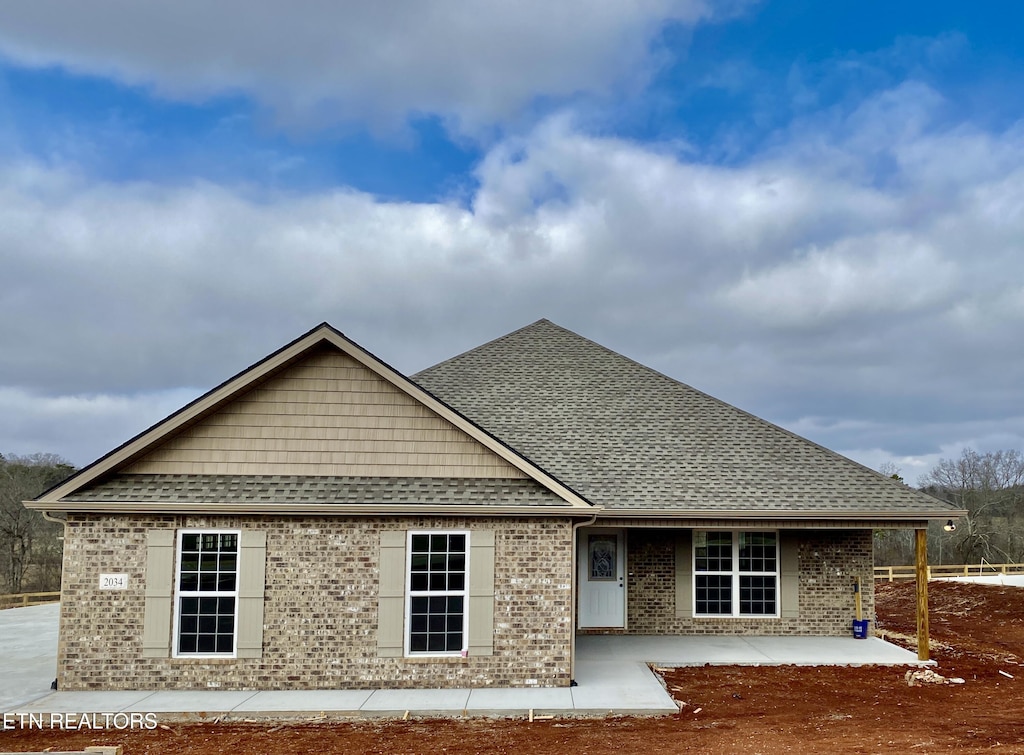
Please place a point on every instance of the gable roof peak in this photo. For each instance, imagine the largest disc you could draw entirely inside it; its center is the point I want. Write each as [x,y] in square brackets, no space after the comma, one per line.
[282,359]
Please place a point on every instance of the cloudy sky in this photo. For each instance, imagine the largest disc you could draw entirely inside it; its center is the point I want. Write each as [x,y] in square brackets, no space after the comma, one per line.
[816,215]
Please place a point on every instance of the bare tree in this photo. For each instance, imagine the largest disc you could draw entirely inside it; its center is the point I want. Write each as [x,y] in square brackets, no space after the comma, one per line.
[891,470]
[990,487]
[26,538]
[893,547]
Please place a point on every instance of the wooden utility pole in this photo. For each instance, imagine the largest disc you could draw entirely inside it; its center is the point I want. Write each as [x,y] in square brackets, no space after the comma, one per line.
[921,572]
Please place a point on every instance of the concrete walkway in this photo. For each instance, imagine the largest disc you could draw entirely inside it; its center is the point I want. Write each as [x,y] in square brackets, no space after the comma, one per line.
[612,675]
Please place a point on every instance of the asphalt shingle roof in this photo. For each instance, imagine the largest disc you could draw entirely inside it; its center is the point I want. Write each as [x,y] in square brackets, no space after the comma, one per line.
[627,437]
[287,489]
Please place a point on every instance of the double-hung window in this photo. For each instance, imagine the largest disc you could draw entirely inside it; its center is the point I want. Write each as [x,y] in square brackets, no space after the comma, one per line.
[736,573]
[437,598]
[206,604]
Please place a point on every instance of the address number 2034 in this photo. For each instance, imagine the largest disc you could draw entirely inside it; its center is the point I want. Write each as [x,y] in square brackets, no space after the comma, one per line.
[113,581]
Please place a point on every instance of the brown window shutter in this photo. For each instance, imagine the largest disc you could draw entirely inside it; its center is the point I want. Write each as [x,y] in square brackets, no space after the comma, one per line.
[789,574]
[391,595]
[684,574]
[156,625]
[481,592]
[251,587]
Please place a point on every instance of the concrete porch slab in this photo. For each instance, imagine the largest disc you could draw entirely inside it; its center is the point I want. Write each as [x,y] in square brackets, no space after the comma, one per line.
[741,651]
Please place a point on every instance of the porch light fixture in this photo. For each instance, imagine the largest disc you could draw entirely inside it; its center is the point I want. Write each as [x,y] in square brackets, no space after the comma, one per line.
[949,526]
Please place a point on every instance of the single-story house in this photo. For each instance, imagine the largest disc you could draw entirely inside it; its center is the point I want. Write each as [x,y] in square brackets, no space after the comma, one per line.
[321,521]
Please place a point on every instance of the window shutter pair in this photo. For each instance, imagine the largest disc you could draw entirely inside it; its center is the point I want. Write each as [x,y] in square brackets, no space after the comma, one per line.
[157,622]
[789,575]
[159,610]
[391,593]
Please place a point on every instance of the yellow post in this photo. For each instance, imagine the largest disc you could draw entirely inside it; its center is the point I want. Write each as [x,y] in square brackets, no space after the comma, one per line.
[921,563]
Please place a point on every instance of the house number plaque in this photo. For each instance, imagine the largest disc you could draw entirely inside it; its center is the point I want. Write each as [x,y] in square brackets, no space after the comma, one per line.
[113,581]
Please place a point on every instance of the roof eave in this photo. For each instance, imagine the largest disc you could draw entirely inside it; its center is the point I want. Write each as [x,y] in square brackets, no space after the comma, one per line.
[304,509]
[804,514]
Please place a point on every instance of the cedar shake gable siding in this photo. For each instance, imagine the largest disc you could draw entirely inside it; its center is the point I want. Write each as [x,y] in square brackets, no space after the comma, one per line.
[325,416]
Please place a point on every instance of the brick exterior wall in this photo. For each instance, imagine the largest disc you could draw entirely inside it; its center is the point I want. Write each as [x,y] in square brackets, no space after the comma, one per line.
[320,610]
[829,562]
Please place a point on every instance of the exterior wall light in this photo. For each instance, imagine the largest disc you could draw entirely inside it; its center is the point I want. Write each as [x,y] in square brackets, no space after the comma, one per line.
[949,526]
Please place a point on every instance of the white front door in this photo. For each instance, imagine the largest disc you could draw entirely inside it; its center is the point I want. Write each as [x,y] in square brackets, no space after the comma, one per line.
[602,588]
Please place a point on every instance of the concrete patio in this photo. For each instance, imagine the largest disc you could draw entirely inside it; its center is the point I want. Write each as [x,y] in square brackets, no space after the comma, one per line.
[612,675]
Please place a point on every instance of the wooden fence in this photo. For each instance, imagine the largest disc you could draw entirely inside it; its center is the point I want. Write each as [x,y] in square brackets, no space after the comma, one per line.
[890,573]
[92,750]
[22,599]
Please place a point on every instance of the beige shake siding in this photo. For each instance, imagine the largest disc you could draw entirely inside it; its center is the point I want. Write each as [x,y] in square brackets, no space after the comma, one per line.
[326,416]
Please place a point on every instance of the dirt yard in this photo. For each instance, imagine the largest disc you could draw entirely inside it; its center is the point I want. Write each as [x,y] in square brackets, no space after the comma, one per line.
[977,635]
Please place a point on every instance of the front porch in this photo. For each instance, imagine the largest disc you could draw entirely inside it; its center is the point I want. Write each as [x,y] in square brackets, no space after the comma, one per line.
[612,671]
[736,650]
[757,579]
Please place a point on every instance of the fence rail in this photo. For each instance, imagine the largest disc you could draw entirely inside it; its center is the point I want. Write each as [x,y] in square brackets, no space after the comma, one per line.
[21,599]
[93,750]
[890,573]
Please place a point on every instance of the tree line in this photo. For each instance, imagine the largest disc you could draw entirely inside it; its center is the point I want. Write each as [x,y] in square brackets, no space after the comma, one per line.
[30,546]
[990,488]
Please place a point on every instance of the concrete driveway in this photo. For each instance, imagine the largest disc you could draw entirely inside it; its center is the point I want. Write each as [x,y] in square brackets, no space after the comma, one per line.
[28,653]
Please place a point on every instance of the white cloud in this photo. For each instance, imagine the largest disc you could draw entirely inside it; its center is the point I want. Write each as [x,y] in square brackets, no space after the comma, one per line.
[886,274]
[792,287]
[323,61]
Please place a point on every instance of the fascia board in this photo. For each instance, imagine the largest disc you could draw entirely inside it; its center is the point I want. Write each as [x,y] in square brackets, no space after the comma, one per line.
[302,509]
[782,515]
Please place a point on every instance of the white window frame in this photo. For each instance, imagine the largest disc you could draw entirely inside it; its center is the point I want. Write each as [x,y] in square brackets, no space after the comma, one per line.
[735,574]
[179,593]
[410,594]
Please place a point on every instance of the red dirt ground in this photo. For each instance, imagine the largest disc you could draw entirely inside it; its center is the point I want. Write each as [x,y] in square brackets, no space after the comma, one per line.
[977,631]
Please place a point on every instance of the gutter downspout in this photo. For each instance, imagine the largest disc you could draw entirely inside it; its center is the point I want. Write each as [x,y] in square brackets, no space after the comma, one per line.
[51,518]
[63,521]
[575,595]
